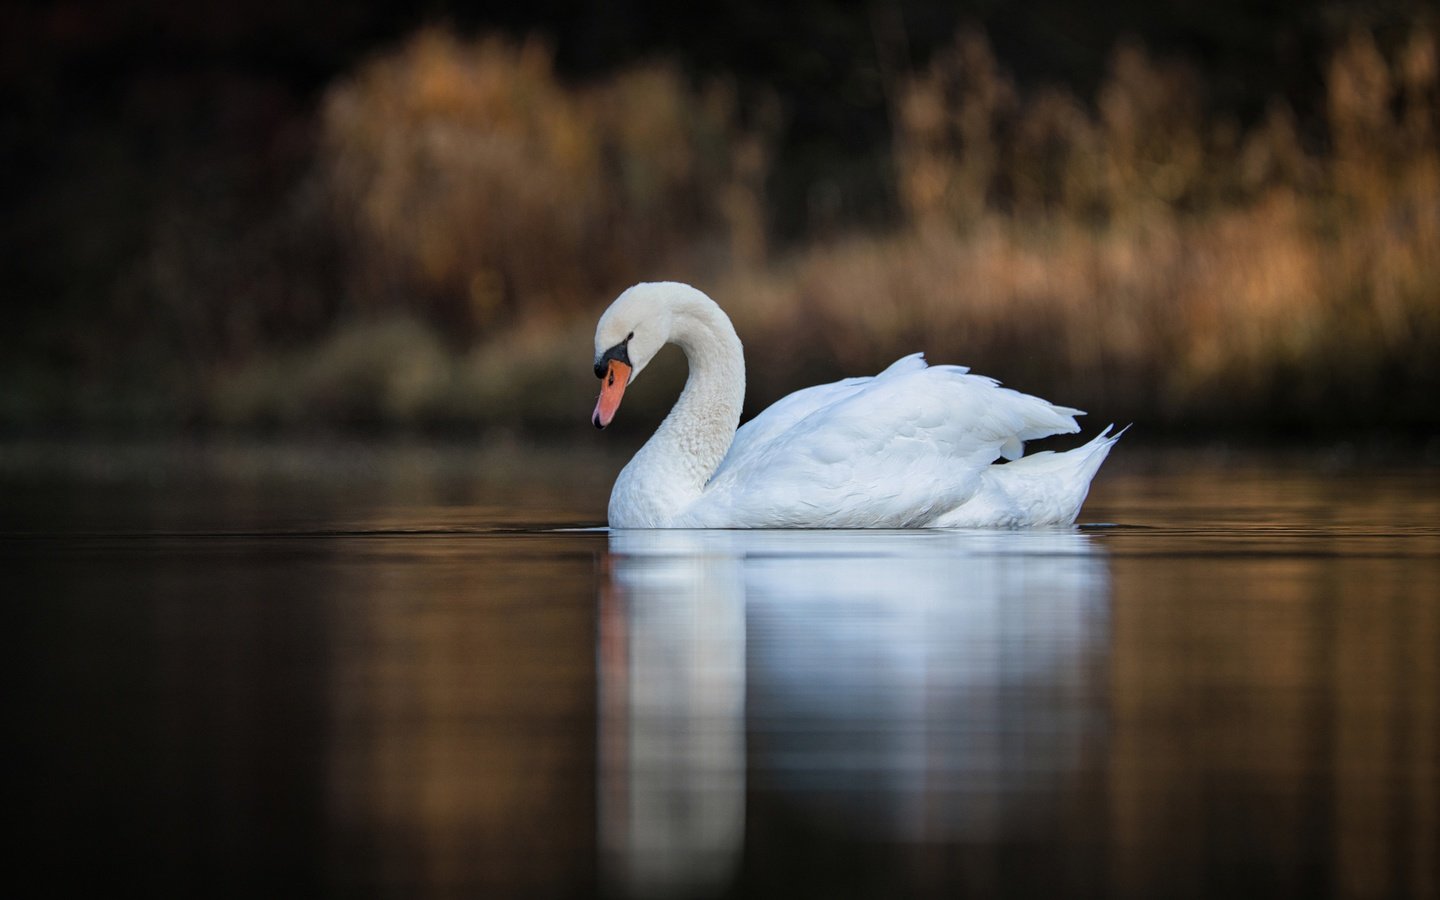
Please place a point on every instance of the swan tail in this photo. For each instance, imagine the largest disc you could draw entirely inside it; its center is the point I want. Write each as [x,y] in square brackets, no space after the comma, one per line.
[1045,488]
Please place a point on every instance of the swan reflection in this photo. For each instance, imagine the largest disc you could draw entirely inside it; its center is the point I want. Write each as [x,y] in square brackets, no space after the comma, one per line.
[911,686]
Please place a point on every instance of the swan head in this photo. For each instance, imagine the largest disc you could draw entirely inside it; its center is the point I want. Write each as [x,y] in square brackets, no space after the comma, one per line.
[629,335]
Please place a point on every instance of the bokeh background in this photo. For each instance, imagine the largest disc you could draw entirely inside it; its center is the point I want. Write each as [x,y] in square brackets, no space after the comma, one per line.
[296,369]
[1206,217]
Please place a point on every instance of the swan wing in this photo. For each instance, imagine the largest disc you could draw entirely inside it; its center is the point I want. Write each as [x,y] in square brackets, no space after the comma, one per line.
[897,450]
[784,413]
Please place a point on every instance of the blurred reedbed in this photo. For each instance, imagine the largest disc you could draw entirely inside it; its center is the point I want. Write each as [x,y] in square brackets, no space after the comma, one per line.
[1170,267]
[1132,253]
[474,188]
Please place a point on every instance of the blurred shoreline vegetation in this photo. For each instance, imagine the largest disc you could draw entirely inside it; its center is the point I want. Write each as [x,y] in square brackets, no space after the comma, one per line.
[462,214]
[1148,261]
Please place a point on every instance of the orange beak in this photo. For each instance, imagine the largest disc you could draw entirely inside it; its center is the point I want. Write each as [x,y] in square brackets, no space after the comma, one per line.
[613,388]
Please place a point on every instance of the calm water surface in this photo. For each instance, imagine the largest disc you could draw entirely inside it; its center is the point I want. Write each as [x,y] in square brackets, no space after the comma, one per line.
[418,672]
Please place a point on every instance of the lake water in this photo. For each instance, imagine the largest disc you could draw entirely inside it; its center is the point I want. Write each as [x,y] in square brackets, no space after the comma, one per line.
[414,671]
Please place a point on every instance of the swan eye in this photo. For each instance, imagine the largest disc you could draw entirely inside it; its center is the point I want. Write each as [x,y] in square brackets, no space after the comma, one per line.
[618,352]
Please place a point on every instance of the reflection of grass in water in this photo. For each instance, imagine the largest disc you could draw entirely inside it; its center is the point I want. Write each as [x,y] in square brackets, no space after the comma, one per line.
[1136,257]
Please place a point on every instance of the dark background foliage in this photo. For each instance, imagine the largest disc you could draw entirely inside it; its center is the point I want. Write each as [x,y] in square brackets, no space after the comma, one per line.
[137,134]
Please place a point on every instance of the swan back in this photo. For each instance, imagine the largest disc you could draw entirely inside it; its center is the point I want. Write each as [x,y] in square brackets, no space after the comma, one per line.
[898,450]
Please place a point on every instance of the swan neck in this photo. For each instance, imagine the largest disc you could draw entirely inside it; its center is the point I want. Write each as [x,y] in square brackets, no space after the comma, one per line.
[703,422]
[670,472]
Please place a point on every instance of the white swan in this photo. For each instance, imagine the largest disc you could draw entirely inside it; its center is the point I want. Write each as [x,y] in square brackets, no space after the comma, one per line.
[912,447]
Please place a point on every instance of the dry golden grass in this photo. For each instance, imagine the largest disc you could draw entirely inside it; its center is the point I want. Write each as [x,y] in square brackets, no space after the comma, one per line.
[1126,254]
[476,188]
[1138,259]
